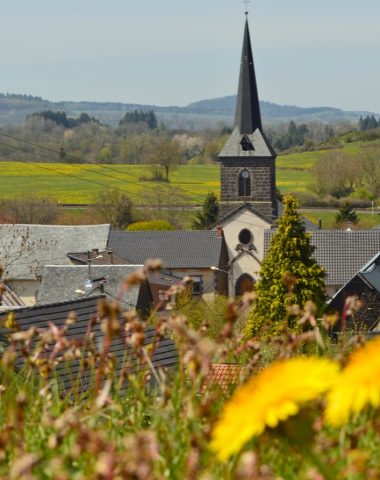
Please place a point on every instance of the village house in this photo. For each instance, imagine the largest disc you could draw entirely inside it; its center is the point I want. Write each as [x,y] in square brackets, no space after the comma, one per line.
[358,301]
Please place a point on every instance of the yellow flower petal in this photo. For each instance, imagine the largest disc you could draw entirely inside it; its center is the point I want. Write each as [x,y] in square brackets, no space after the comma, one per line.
[272,396]
[358,385]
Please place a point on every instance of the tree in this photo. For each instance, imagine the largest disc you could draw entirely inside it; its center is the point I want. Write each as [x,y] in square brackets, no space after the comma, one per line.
[139,116]
[166,156]
[150,225]
[337,173]
[209,214]
[29,210]
[114,207]
[289,275]
[346,214]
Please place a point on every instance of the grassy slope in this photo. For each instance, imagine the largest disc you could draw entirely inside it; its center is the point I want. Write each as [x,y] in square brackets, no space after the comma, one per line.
[193,182]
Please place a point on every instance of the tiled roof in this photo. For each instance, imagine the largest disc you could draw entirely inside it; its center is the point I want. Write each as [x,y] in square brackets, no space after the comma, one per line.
[176,249]
[342,253]
[105,257]
[225,375]
[165,354]
[163,279]
[26,249]
[59,283]
[8,297]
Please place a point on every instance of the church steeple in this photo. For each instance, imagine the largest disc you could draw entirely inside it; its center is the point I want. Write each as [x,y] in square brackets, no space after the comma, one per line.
[247,116]
[248,173]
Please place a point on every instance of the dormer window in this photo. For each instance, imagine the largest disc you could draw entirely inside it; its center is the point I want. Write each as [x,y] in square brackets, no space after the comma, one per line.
[246,144]
[244,184]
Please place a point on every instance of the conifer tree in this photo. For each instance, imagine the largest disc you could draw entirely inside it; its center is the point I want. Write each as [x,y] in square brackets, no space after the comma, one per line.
[289,275]
[209,214]
[346,214]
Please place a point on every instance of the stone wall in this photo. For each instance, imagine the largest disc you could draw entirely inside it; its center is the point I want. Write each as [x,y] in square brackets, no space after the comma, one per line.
[263,182]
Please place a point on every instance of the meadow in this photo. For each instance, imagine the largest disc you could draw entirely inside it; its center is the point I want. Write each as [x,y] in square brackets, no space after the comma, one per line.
[80,183]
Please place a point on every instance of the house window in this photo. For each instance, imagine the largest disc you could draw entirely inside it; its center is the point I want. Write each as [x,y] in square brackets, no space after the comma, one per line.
[244,184]
[197,285]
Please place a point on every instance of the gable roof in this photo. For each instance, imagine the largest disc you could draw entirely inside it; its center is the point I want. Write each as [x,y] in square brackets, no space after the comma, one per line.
[26,249]
[247,206]
[176,249]
[260,143]
[239,208]
[371,272]
[59,282]
[342,253]
[86,311]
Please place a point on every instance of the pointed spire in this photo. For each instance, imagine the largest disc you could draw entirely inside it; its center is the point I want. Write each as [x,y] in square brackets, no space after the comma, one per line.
[247,116]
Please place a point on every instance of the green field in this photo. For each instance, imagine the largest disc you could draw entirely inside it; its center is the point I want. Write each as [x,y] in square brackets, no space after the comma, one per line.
[73,183]
[366,220]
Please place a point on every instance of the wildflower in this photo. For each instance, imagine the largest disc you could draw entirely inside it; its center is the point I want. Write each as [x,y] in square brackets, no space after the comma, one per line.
[358,385]
[272,396]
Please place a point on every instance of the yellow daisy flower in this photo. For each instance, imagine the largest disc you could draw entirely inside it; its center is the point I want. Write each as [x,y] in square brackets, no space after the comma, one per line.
[358,385]
[272,396]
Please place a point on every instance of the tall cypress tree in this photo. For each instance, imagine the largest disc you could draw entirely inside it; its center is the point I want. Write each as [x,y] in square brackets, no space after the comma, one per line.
[289,275]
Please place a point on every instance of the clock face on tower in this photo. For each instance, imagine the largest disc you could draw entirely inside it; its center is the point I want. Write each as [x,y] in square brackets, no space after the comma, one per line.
[245,174]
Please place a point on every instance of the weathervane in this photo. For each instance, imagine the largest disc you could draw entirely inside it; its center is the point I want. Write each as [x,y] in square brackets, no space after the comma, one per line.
[246,2]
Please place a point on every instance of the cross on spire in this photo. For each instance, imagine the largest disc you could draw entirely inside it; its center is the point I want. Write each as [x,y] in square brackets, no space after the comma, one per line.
[246,2]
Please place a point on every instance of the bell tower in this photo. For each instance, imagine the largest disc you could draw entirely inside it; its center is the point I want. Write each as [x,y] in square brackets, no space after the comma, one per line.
[248,172]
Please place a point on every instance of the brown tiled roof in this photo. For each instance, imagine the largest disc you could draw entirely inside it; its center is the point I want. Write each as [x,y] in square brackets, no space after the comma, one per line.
[225,375]
[105,257]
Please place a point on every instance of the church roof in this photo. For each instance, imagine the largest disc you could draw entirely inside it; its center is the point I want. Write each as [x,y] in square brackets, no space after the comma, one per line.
[247,116]
[260,144]
[247,139]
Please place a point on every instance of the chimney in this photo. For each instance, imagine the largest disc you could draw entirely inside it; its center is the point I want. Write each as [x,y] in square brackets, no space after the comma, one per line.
[219,231]
[110,253]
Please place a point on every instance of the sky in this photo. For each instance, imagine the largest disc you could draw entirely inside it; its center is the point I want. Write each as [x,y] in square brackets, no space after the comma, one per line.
[173,52]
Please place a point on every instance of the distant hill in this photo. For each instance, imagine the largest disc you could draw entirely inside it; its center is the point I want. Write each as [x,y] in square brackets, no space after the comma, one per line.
[203,114]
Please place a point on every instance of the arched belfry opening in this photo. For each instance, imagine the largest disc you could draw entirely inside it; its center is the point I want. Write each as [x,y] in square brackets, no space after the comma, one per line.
[245,283]
[244,184]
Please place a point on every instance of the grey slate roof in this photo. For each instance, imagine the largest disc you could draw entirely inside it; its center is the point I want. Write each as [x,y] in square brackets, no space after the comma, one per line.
[60,282]
[26,249]
[165,354]
[176,249]
[247,116]
[261,145]
[342,253]
[371,272]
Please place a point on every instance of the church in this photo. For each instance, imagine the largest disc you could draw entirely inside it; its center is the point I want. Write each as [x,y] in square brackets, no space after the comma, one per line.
[248,181]
[249,207]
